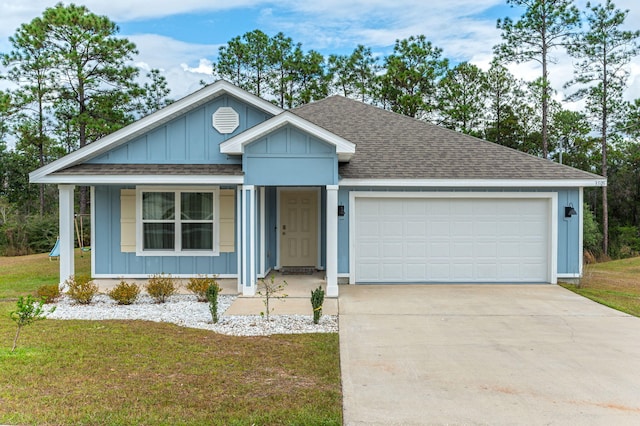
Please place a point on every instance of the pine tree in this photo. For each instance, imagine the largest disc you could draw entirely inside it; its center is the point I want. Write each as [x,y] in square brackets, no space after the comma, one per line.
[544,26]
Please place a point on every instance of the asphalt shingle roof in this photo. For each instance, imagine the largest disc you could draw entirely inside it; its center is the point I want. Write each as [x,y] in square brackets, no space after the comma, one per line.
[393,146]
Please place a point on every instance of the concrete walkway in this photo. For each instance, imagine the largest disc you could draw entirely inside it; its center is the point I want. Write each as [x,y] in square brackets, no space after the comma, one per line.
[486,354]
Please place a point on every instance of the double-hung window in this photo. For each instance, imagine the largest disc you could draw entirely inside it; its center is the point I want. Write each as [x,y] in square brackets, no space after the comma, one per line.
[177,221]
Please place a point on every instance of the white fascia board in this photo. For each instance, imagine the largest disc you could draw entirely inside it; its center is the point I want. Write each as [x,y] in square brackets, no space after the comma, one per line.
[151,121]
[140,179]
[235,145]
[475,183]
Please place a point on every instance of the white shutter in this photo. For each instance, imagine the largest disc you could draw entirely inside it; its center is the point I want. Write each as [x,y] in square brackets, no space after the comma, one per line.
[227,220]
[128,220]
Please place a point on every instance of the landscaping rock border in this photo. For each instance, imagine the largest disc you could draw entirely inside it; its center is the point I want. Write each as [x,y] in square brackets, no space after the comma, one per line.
[186,311]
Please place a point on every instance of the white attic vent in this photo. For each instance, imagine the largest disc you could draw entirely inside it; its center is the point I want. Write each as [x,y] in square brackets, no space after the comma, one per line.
[225,120]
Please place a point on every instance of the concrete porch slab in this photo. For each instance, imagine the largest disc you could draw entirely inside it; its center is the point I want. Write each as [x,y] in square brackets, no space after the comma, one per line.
[298,301]
[288,306]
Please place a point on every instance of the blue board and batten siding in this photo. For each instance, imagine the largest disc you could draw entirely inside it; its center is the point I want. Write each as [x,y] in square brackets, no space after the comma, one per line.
[189,139]
[288,157]
[109,260]
[568,229]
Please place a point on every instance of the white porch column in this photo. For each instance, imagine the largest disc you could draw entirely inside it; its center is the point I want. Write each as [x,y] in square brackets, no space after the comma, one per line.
[249,240]
[332,240]
[240,229]
[67,263]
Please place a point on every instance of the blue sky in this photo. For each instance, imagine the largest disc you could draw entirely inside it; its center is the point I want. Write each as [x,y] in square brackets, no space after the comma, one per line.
[182,37]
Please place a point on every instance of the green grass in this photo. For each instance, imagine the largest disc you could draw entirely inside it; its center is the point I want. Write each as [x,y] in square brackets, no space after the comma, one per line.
[22,275]
[615,284]
[138,372]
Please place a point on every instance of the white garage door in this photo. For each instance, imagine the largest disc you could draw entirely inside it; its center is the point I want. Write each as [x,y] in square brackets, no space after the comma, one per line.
[400,240]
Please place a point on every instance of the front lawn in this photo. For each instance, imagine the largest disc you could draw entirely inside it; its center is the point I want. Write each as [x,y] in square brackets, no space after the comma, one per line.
[118,372]
[21,275]
[139,372]
[615,284]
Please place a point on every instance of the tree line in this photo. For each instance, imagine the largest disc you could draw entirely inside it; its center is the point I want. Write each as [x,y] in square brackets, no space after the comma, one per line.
[76,83]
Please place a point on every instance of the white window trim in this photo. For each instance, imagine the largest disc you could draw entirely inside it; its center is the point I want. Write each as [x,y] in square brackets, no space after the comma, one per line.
[178,251]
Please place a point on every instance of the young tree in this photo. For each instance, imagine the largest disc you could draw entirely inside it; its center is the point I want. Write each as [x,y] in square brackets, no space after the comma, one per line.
[96,83]
[462,98]
[412,71]
[544,26]
[603,50]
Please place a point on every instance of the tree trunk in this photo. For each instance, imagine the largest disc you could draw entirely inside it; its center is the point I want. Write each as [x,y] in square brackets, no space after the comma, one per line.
[605,117]
[545,103]
[15,339]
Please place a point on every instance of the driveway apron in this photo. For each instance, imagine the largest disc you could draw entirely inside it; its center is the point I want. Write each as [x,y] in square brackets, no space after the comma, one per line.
[486,354]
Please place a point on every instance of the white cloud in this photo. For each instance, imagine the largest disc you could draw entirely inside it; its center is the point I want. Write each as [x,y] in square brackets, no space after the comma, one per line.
[184,65]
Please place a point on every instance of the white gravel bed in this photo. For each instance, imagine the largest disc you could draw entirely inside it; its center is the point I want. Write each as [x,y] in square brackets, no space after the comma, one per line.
[186,311]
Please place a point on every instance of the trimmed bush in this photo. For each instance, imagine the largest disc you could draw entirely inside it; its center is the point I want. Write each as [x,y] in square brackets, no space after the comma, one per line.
[81,289]
[200,285]
[212,296]
[160,287]
[124,293]
[317,299]
[48,292]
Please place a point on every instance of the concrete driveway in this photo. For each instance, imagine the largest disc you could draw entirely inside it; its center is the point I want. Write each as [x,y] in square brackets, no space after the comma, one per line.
[486,354]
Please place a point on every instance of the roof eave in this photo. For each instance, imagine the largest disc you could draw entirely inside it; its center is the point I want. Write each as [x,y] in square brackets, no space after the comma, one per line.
[88,180]
[476,183]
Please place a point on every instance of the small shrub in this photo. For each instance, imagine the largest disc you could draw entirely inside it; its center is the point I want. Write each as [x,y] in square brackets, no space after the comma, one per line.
[270,290]
[27,312]
[81,289]
[200,285]
[317,299]
[160,287]
[48,292]
[125,293]
[212,297]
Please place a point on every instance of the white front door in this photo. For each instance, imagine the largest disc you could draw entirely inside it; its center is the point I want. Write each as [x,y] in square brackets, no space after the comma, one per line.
[298,228]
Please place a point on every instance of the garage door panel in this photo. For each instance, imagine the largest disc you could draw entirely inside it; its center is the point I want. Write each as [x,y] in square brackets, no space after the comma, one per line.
[392,228]
[391,270]
[456,240]
[415,272]
[416,249]
[415,229]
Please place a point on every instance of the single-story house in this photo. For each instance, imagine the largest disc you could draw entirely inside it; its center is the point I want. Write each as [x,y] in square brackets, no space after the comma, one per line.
[224,182]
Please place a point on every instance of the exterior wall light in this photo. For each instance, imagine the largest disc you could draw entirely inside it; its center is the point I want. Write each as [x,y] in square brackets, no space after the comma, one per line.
[569,211]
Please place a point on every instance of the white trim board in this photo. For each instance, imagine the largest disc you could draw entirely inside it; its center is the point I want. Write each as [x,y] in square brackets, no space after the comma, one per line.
[552,197]
[475,183]
[147,276]
[142,179]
